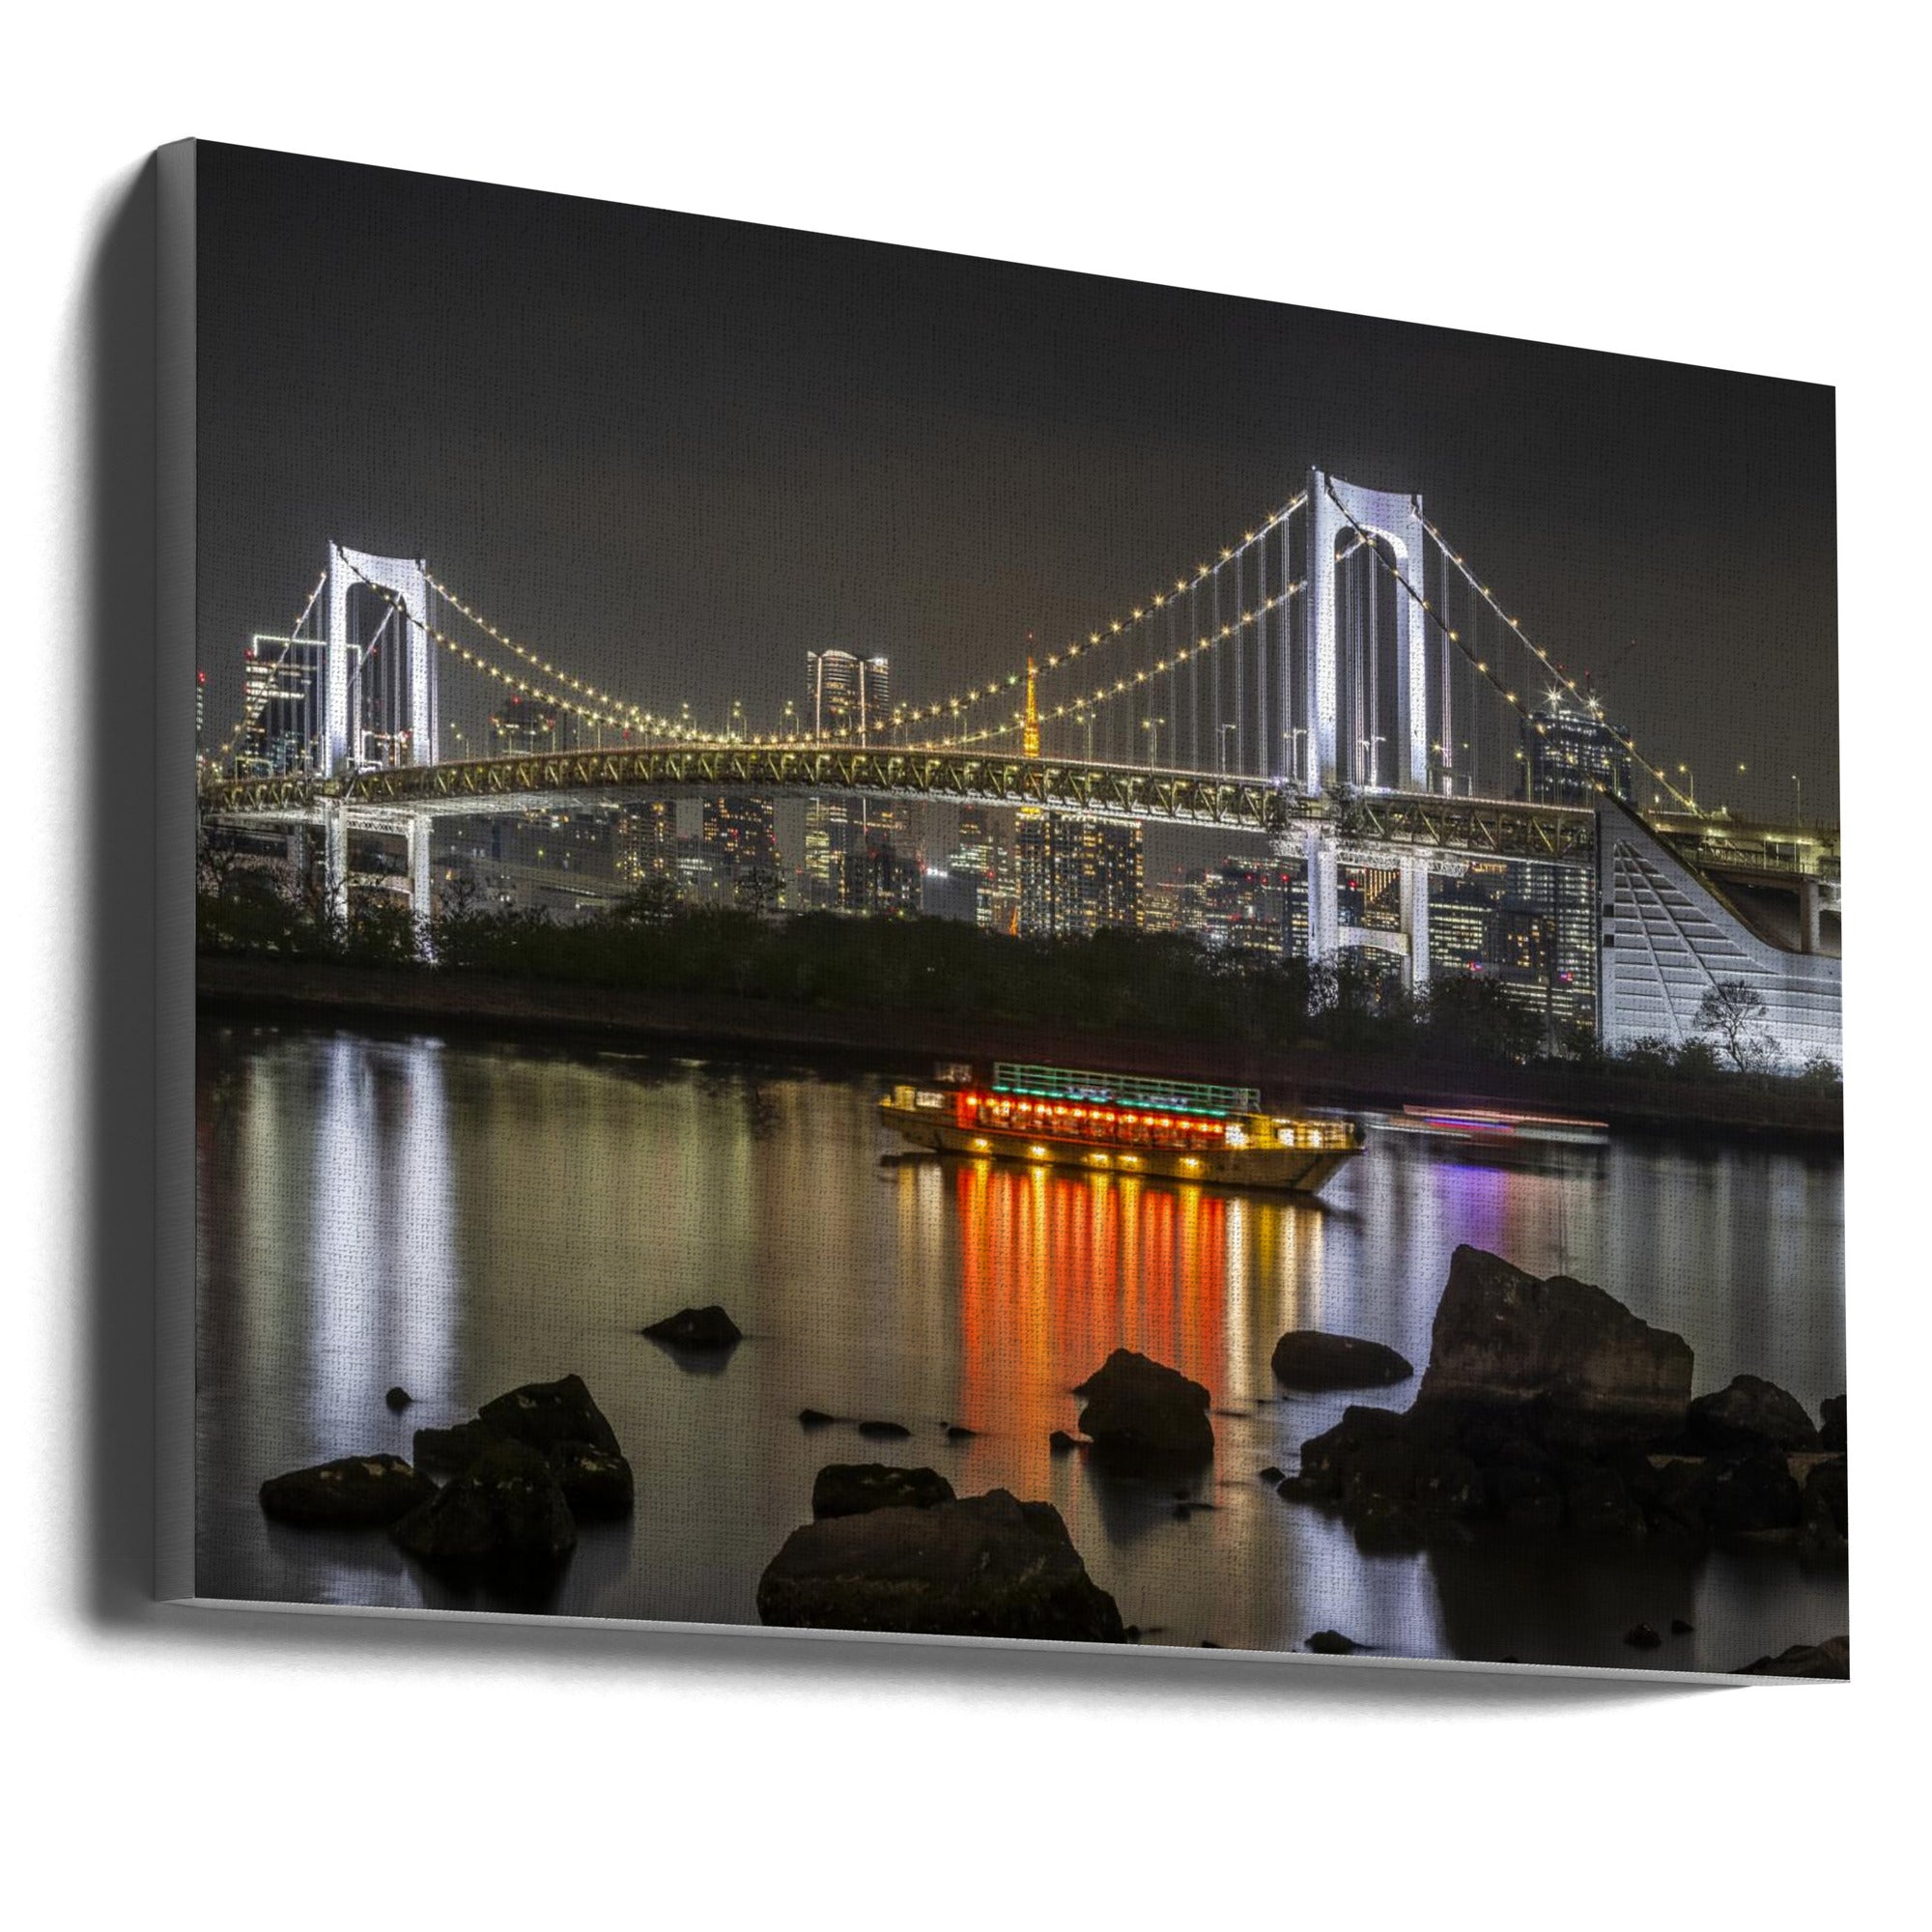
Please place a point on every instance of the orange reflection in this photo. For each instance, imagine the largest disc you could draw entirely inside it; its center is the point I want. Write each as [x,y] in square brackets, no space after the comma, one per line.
[1058,1269]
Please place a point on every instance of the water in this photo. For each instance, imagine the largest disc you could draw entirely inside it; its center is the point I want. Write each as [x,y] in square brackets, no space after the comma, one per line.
[463,1218]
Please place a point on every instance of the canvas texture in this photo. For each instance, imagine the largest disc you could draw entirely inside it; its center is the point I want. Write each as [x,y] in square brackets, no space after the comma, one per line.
[911,946]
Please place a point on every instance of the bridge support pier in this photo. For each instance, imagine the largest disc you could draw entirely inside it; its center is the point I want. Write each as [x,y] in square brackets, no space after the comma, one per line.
[1416,921]
[422,908]
[335,863]
[1320,867]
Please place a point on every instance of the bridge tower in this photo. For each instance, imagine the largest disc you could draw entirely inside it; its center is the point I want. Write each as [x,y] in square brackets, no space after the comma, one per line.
[1396,520]
[412,723]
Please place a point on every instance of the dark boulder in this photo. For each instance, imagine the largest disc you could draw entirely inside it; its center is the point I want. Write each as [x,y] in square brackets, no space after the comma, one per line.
[1273,1476]
[1738,1493]
[546,1415]
[1831,1430]
[884,1432]
[449,1451]
[1503,1338]
[1750,1409]
[850,1488]
[598,1486]
[1641,1637]
[1824,1527]
[354,1491]
[1332,1643]
[980,1565]
[399,1399]
[1060,1442]
[1830,1659]
[504,1517]
[1305,1358]
[1596,1502]
[957,1432]
[1141,1413]
[696,1328]
[1680,1627]
[816,1418]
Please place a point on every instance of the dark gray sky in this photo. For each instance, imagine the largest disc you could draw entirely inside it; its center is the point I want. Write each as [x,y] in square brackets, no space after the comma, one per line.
[676,453]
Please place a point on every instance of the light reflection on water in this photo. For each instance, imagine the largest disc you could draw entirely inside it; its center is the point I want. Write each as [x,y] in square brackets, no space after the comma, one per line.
[463,1218]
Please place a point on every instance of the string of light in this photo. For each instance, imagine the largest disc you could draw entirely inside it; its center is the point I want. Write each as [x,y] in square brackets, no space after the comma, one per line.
[1543,658]
[637,712]
[1078,707]
[1115,627]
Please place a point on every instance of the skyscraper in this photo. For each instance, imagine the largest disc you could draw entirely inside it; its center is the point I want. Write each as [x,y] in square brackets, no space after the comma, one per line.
[1077,875]
[281,700]
[1575,756]
[740,834]
[847,696]
[845,700]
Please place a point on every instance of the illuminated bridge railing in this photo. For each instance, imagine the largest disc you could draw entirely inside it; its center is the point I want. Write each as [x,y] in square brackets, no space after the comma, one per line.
[1503,828]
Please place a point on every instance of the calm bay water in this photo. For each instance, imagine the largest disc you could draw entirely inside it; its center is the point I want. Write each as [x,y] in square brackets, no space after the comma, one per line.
[461,1218]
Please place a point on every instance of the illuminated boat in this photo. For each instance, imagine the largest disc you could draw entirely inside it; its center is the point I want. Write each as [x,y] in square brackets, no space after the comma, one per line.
[1122,1124]
[1494,1130]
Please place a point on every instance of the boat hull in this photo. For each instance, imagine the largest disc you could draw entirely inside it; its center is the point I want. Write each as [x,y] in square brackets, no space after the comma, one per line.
[1279,1170]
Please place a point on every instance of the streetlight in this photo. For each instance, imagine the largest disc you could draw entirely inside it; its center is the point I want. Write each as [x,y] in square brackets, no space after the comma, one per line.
[1367,746]
[1293,738]
[1152,727]
[1800,783]
[1221,746]
[1691,784]
[790,719]
[1082,715]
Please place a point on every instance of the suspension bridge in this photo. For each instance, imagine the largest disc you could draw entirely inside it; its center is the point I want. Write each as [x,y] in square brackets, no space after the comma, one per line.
[1337,680]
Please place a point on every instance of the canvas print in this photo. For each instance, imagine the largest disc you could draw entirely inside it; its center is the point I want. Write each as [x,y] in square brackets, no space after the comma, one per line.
[913,946]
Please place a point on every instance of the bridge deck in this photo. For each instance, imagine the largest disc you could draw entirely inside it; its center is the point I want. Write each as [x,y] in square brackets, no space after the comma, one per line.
[563,779]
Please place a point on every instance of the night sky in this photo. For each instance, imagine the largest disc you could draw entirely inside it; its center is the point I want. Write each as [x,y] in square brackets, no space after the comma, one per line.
[675,454]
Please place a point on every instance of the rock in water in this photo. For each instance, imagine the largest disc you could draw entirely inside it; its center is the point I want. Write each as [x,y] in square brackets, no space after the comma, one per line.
[852,1489]
[1824,1527]
[696,1328]
[1738,1493]
[816,1418]
[1061,1444]
[1502,1337]
[354,1491]
[448,1451]
[1830,1659]
[598,1486]
[1748,1410]
[399,1399]
[504,1517]
[982,1566]
[546,1415]
[1641,1637]
[884,1432]
[1832,1432]
[1141,1413]
[1332,1643]
[1305,1358]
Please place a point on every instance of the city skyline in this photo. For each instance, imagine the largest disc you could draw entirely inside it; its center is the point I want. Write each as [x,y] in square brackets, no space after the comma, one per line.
[925,458]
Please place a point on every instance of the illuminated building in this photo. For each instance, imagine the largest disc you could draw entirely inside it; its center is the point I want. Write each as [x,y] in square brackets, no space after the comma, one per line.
[845,699]
[738,834]
[281,700]
[1077,875]
[847,696]
[522,726]
[644,841]
[1575,757]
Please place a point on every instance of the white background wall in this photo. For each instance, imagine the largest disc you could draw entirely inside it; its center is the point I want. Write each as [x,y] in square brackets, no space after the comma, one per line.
[1742,186]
